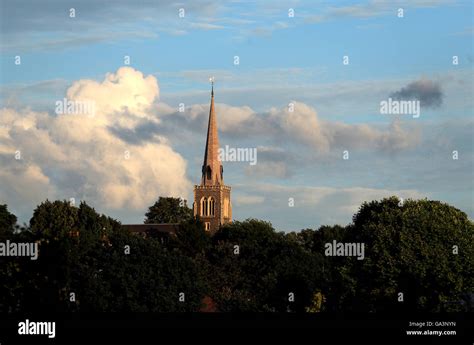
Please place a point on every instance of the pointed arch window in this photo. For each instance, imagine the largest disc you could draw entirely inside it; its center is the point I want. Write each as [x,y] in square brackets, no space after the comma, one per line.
[204,208]
[211,207]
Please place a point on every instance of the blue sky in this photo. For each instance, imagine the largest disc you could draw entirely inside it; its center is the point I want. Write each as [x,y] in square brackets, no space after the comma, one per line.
[282,60]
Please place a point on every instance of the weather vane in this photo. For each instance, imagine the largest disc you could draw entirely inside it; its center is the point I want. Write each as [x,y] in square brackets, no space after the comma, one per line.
[211,80]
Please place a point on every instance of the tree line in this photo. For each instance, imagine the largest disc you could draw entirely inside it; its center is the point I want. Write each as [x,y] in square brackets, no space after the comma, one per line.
[418,257]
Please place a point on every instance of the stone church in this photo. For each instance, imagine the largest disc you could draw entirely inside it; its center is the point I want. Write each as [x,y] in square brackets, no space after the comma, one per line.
[212,202]
[212,197]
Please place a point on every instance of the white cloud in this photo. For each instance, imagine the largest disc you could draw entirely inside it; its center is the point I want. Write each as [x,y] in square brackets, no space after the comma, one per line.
[127,90]
[22,184]
[77,156]
[301,126]
[229,118]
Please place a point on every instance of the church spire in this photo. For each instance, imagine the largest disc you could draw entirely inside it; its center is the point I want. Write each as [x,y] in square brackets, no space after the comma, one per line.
[212,198]
[212,171]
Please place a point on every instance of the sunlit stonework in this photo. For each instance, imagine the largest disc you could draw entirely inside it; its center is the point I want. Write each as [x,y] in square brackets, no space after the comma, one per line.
[212,198]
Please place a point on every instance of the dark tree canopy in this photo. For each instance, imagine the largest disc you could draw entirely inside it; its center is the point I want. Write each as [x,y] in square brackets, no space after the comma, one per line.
[7,222]
[255,268]
[168,210]
[54,220]
[420,248]
[105,267]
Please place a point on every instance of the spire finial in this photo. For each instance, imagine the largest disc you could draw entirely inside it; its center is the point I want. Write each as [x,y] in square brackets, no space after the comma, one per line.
[211,79]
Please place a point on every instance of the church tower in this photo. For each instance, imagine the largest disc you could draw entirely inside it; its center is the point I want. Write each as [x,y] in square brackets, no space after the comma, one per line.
[212,198]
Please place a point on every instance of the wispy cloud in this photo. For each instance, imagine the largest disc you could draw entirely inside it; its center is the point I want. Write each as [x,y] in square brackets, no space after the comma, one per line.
[22,30]
[372,8]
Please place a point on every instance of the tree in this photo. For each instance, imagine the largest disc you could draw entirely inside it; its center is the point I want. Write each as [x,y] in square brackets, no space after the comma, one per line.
[168,210]
[335,280]
[7,222]
[71,240]
[254,268]
[422,249]
[54,220]
[191,238]
[9,287]
[150,278]
[106,267]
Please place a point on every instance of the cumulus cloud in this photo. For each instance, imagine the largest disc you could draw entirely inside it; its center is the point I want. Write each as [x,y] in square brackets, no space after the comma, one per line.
[428,92]
[287,142]
[303,125]
[231,119]
[298,125]
[127,90]
[359,136]
[22,183]
[74,155]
